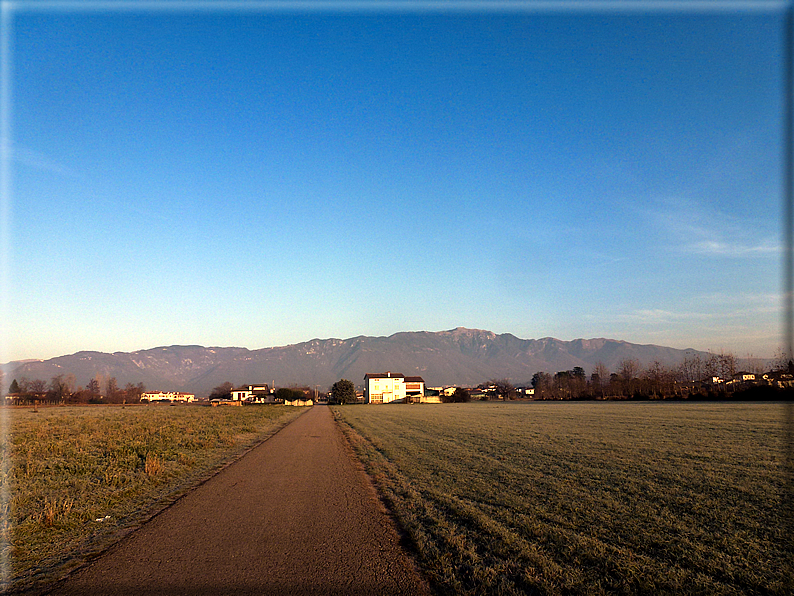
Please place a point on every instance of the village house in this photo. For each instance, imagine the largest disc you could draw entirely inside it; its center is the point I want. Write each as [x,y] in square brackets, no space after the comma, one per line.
[743,379]
[779,378]
[441,391]
[253,393]
[172,396]
[388,387]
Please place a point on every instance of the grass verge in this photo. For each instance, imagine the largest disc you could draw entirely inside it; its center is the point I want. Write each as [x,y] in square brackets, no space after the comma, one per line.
[584,498]
[77,478]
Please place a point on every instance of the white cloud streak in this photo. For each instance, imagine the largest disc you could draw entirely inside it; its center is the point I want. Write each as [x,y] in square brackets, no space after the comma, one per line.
[712,233]
[23,156]
[719,248]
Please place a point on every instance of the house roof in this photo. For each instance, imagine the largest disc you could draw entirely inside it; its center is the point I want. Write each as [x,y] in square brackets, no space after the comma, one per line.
[414,380]
[385,375]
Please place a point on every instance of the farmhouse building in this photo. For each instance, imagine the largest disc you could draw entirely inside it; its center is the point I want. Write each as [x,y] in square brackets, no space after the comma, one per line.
[384,388]
[257,393]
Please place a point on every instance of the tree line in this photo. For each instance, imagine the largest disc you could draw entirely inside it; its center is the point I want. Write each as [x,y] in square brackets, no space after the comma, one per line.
[64,389]
[695,377]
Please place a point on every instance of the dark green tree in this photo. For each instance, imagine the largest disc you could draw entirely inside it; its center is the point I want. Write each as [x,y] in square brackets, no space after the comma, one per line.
[59,390]
[461,395]
[343,392]
[112,391]
[287,394]
[93,386]
[14,388]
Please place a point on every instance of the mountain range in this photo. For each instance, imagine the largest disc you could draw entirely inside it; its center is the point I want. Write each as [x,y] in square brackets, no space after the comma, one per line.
[459,356]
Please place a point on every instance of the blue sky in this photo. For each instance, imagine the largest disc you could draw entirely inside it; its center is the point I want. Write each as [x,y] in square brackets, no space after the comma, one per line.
[265,176]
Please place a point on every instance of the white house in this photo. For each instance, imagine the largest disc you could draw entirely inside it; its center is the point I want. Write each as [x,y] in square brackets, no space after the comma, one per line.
[167,396]
[384,388]
[257,393]
[744,377]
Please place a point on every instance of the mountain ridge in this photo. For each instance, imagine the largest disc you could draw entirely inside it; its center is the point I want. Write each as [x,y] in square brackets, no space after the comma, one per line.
[459,356]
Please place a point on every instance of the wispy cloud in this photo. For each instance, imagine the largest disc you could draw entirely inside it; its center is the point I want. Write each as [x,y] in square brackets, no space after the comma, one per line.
[715,306]
[22,156]
[658,315]
[720,248]
[715,310]
[744,323]
[39,161]
[711,232]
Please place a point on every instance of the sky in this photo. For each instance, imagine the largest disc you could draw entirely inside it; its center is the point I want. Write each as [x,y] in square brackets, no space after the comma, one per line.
[225,176]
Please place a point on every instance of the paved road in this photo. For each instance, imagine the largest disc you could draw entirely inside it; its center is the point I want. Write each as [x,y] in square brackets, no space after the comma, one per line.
[293,516]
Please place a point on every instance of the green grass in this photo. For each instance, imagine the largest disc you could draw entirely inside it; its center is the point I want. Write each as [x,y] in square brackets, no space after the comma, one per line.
[584,498]
[72,466]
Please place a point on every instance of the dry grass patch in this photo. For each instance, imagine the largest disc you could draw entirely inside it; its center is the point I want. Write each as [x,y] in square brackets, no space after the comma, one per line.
[78,476]
[584,498]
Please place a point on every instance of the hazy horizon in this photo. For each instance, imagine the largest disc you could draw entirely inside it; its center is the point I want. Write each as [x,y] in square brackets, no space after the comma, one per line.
[264,175]
[344,339]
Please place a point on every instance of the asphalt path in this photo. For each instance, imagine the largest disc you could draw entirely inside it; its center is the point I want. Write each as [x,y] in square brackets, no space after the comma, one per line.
[296,515]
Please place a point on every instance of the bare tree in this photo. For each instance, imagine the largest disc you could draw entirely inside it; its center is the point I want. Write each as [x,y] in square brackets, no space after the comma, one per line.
[728,364]
[721,365]
[691,369]
[541,382]
[112,391]
[504,388]
[755,365]
[628,368]
[782,361]
[711,366]
[660,379]
[38,386]
[600,374]
[70,381]
[132,393]
[222,391]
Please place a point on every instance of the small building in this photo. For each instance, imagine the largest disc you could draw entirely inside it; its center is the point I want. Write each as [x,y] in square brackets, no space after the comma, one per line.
[744,377]
[414,388]
[779,378]
[172,396]
[440,391]
[388,387]
[253,393]
[299,402]
[430,399]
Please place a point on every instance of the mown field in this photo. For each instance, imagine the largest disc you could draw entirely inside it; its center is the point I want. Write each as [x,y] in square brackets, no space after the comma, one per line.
[74,478]
[584,498]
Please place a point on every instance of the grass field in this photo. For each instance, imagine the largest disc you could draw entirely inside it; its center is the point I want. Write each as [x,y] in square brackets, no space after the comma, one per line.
[584,498]
[74,478]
